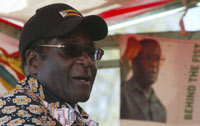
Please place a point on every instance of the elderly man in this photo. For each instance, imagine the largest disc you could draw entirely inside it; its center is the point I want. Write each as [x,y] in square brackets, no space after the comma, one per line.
[138,100]
[58,58]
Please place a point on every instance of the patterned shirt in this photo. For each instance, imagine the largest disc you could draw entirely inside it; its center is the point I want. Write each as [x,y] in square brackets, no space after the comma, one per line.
[135,105]
[32,105]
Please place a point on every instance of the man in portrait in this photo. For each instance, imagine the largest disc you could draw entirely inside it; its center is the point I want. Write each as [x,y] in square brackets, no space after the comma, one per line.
[138,99]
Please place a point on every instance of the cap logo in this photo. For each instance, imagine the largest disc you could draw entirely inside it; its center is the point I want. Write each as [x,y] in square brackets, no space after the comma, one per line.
[65,13]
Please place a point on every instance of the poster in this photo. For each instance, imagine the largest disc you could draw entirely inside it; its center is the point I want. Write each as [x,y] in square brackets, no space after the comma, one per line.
[171,88]
[10,63]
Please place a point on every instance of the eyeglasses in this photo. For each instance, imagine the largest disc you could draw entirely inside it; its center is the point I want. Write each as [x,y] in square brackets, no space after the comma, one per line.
[76,50]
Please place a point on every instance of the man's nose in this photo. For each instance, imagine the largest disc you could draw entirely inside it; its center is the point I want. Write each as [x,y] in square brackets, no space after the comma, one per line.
[154,63]
[87,61]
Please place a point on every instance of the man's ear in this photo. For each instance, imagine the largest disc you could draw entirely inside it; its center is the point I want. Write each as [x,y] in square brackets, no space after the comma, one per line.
[33,61]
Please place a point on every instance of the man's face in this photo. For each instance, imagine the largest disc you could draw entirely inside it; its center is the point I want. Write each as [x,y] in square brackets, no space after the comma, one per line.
[146,64]
[69,78]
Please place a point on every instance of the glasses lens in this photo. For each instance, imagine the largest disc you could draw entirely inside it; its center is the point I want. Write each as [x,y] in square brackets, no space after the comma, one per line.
[91,52]
[98,54]
[73,50]
[76,50]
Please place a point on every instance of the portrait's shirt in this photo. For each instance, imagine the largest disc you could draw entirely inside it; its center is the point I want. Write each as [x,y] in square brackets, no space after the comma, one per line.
[32,105]
[136,105]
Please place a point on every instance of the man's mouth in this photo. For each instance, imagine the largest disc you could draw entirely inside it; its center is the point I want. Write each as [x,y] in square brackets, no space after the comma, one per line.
[82,78]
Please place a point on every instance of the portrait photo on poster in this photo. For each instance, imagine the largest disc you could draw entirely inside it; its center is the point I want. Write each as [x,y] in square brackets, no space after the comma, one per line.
[157,79]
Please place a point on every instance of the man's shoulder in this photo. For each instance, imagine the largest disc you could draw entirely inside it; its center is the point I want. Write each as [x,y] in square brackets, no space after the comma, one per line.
[129,85]
[19,91]
[16,107]
[11,94]
[16,99]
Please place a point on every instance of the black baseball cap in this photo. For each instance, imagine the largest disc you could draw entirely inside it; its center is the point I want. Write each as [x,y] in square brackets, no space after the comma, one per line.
[56,20]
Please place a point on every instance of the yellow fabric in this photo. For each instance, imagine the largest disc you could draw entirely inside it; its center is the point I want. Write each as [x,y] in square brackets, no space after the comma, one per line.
[15,63]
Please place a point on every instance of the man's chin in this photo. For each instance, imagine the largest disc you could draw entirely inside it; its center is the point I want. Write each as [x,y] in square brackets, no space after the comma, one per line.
[150,80]
[76,100]
[147,84]
[83,99]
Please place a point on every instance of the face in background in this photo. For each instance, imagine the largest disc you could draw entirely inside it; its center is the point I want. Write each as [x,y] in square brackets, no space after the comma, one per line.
[69,78]
[146,64]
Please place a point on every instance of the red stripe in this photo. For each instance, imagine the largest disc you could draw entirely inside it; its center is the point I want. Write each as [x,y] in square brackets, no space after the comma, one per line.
[73,13]
[4,52]
[7,22]
[120,11]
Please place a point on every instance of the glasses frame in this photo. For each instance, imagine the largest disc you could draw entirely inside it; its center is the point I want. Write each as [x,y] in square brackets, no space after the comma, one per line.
[97,50]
